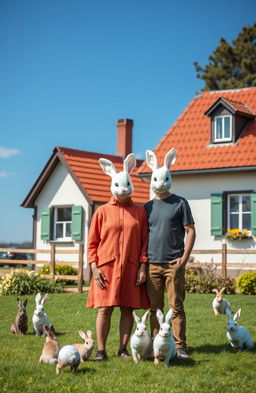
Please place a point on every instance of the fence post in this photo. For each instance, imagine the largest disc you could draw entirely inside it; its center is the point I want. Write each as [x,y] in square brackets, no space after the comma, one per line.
[80,268]
[224,259]
[52,262]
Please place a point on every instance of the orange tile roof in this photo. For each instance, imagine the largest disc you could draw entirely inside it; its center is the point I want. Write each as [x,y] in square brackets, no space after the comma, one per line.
[85,166]
[190,135]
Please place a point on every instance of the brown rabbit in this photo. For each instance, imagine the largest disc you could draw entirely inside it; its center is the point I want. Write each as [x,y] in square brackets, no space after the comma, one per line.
[51,347]
[86,348]
[20,323]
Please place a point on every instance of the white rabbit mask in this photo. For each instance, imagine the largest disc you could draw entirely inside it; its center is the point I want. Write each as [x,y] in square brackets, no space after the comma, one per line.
[121,184]
[161,179]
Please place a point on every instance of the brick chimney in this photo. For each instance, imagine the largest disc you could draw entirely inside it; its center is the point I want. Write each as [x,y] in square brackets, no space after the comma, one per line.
[124,137]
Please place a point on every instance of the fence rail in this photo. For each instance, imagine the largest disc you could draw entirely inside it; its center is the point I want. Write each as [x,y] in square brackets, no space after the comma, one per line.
[53,251]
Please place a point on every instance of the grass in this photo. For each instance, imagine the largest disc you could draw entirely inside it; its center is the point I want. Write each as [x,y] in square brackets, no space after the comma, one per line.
[214,366]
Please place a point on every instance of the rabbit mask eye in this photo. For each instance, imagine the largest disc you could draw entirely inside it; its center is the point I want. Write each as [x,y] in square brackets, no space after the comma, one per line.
[128,183]
[155,179]
[116,184]
[167,178]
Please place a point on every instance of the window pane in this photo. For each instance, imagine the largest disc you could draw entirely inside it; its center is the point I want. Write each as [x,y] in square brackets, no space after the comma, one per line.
[246,221]
[234,203]
[64,214]
[233,221]
[59,231]
[68,230]
[218,128]
[227,133]
[246,203]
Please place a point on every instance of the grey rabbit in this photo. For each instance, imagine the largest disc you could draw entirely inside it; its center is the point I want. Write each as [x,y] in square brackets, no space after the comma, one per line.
[20,323]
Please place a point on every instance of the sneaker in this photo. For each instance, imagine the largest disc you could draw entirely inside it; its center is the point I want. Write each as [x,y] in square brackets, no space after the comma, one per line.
[100,356]
[182,353]
[123,353]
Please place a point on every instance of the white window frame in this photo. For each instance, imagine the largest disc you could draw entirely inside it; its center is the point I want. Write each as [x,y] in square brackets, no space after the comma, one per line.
[240,211]
[64,223]
[222,139]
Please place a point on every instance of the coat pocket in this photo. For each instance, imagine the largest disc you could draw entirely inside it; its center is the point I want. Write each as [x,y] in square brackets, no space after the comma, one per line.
[104,260]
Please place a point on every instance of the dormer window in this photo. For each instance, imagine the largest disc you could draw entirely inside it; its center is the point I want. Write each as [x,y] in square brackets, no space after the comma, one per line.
[222,128]
[228,120]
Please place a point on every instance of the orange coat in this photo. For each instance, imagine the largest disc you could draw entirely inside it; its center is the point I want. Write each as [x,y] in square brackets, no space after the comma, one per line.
[117,242]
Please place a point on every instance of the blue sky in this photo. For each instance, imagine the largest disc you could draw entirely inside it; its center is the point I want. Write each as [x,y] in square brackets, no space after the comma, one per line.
[70,68]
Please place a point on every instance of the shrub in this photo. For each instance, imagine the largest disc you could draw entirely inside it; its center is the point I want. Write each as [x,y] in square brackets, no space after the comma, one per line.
[246,283]
[61,270]
[22,282]
[205,279]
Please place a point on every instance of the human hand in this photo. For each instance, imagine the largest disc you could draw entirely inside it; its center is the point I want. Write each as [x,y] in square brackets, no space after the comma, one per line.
[99,278]
[181,262]
[141,275]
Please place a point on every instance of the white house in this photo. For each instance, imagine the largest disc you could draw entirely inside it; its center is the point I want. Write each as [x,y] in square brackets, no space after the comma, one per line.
[215,170]
[68,191]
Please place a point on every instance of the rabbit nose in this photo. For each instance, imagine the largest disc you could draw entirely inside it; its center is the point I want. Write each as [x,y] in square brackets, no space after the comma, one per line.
[161,185]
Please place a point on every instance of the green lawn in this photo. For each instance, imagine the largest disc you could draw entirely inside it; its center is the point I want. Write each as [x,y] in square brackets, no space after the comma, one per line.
[214,366]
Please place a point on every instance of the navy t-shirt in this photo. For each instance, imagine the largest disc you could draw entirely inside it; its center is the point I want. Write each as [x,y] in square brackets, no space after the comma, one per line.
[166,218]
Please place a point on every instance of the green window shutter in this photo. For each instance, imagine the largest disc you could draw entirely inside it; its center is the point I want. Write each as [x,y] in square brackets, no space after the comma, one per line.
[77,223]
[46,223]
[253,207]
[216,215]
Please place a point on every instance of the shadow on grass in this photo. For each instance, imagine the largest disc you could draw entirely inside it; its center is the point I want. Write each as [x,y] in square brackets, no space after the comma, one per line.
[209,348]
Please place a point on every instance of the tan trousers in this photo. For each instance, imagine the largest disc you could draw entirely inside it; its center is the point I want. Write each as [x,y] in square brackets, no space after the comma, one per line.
[161,276]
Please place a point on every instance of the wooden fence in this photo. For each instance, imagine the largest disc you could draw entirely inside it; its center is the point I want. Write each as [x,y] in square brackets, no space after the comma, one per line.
[53,251]
[224,251]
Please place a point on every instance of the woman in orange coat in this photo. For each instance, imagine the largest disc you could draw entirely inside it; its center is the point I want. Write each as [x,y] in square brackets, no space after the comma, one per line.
[117,252]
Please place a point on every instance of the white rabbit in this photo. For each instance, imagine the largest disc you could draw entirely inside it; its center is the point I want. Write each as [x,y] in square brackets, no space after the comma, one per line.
[40,318]
[68,356]
[86,348]
[163,343]
[219,304]
[121,184]
[161,179]
[51,347]
[238,336]
[141,343]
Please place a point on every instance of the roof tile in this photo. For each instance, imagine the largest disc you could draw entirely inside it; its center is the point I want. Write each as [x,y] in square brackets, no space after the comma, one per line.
[190,135]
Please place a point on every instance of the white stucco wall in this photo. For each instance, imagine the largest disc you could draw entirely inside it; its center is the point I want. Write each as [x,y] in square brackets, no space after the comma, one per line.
[61,190]
[197,189]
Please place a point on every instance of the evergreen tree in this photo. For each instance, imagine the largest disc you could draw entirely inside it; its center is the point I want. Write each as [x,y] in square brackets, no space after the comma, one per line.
[231,66]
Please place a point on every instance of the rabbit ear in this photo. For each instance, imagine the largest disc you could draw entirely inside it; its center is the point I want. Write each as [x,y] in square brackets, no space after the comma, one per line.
[129,163]
[136,318]
[151,160]
[228,312]
[89,333]
[38,298]
[160,316]
[237,314]
[145,317]
[107,166]
[222,290]
[170,158]
[25,303]
[47,329]
[82,334]
[52,329]
[215,290]
[45,298]
[168,316]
